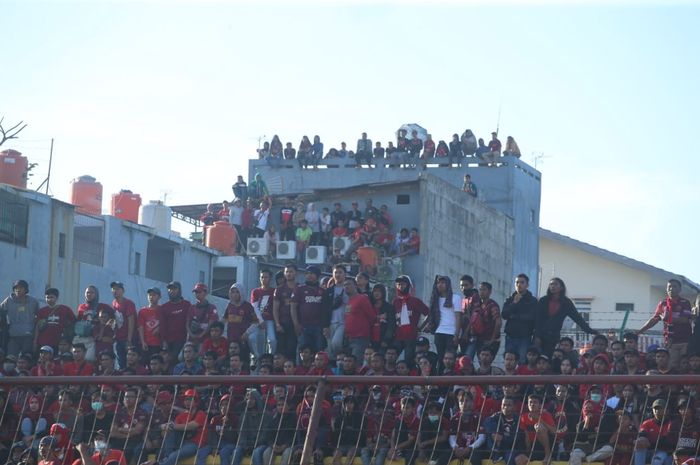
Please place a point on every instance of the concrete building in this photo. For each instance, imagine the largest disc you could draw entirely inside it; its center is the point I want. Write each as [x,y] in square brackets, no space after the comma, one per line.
[610,290]
[45,242]
[492,237]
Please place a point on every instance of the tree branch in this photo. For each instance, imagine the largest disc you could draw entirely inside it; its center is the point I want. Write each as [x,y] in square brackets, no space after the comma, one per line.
[12,132]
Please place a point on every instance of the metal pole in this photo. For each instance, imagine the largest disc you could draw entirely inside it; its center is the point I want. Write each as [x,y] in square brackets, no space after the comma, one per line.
[306,454]
[48,176]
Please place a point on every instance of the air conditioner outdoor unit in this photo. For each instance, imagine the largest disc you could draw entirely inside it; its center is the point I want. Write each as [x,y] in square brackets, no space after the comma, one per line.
[286,250]
[315,254]
[343,243]
[257,246]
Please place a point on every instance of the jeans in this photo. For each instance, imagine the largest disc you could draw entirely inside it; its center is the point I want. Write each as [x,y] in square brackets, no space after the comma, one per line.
[312,336]
[188,449]
[409,351]
[225,454]
[658,458]
[443,342]
[379,458]
[358,345]
[256,456]
[287,341]
[121,354]
[254,342]
[20,344]
[519,345]
[271,336]
[268,456]
[337,339]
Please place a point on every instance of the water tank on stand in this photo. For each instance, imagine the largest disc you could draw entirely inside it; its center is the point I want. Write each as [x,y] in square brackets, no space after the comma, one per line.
[125,205]
[221,236]
[156,215]
[13,168]
[86,194]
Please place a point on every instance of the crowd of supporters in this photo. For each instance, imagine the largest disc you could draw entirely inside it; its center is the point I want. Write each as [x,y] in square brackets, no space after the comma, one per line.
[410,151]
[306,225]
[339,326]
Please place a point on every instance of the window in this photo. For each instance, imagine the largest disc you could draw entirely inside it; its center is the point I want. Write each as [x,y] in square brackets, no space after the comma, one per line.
[61,245]
[88,240]
[583,305]
[403,199]
[160,258]
[137,263]
[532,216]
[14,219]
[624,307]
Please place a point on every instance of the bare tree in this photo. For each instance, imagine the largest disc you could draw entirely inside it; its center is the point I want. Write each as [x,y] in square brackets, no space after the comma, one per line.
[12,132]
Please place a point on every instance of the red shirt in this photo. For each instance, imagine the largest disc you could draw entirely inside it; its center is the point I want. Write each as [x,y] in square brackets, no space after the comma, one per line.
[467,429]
[238,319]
[262,301]
[528,425]
[680,307]
[104,337]
[128,309]
[86,314]
[220,347]
[415,308]
[339,232]
[652,429]
[200,436]
[83,368]
[112,455]
[524,370]
[51,369]
[56,319]
[149,320]
[174,320]
[360,315]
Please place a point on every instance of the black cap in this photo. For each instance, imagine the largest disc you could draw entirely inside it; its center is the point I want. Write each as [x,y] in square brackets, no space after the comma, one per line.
[117,284]
[174,284]
[534,350]
[153,290]
[422,341]
[20,283]
[314,269]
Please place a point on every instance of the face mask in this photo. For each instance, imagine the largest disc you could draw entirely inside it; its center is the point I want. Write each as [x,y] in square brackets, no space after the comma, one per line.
[433,418]
[7,367]
[96,406]
[100,446]
[377,395]
[596,397]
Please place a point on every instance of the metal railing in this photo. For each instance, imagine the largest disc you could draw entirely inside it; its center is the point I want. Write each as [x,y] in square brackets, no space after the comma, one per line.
[434,388]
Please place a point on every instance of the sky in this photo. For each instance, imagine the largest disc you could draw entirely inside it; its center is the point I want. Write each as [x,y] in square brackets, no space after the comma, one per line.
[170,99]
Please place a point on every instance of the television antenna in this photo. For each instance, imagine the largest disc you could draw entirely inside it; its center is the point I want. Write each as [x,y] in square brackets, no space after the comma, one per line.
[537,157]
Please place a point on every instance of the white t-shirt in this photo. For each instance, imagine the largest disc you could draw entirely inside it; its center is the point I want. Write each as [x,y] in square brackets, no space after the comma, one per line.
[447,315]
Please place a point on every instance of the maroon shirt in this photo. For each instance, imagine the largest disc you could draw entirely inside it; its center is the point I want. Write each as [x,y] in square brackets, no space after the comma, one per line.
[173,321]
[309,300]
[238,319]
[680,307]
[263,298]
[56,319]
[283,295]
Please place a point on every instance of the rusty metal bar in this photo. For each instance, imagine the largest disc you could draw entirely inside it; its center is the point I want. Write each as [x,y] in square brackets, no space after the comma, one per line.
[358,380]
[310,439]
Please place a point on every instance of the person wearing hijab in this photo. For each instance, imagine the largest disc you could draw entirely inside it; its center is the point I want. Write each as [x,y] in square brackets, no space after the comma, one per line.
[241,320]
[87,319]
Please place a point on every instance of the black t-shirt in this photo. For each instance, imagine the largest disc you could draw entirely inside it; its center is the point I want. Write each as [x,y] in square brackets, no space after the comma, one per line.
[309,300]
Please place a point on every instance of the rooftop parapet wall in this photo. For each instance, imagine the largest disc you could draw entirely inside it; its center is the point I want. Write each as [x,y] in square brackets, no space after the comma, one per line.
[460,234]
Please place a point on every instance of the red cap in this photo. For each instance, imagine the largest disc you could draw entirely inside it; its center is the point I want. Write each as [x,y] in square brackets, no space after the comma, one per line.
[190,393]
[200,287]
[224,398]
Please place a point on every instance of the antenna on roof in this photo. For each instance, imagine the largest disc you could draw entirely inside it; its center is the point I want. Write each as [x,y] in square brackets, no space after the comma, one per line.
[498,121]
[537,156]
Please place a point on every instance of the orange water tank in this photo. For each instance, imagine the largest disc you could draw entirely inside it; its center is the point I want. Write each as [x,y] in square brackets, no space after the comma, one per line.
[125,205]
[13,168]
[86,194]
[221,236]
